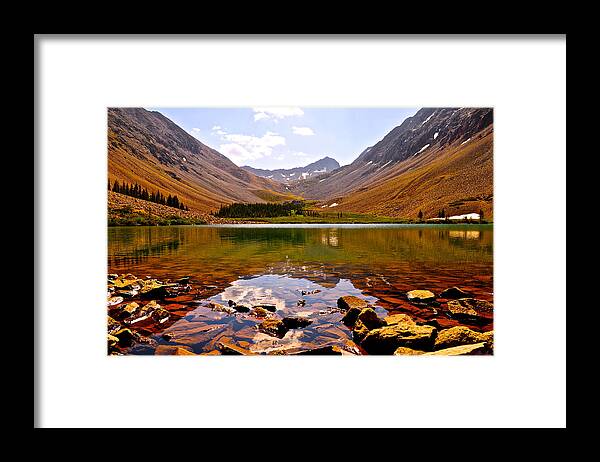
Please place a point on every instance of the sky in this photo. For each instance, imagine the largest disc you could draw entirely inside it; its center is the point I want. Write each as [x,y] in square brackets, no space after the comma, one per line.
[287,137]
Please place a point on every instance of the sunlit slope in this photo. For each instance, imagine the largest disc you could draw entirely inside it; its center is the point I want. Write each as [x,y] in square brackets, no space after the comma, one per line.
[457,178]
[147,148]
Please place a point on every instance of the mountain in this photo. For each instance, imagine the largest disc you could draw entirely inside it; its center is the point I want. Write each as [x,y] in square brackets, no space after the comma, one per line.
[324,165]
[440,158]
[147,148]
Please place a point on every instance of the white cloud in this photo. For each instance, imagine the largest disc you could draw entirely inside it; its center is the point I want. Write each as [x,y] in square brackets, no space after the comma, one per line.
[303,131]
[216,127]
[197,130]
[300,154]
[248,147]
[218,130]
[276,113]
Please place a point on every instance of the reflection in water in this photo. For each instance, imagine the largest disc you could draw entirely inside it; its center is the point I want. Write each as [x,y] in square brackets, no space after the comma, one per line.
[263,264]
[202,328]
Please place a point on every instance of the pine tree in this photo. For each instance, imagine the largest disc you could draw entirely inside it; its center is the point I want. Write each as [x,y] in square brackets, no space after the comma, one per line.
[420,214]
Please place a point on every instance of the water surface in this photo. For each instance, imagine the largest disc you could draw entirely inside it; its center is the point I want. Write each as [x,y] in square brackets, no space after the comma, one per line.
[253,264]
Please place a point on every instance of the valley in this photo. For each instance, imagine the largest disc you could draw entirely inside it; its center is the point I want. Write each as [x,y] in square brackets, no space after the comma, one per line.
[438,161]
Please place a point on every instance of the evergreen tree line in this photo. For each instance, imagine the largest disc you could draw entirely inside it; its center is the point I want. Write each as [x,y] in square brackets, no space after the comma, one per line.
[260,210]
[135,190]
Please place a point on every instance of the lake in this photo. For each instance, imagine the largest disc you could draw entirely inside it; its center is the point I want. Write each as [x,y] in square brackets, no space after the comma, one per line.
[302,270]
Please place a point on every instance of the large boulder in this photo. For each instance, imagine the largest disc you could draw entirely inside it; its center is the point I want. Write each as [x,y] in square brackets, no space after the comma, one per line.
[359,331]
[397,319]
[273,327]
[454,292]
[469,308]
[349,319]
[388,339]
[350,301]
[369,318]
[459,335]
[422,296]
[481,348]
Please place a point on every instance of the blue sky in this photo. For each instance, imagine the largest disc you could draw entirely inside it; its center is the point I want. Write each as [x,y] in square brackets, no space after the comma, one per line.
[287,137]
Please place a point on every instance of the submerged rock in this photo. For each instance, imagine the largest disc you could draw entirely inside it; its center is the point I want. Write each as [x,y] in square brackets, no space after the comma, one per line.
[112,341]
[454,292]
[469,308]
[129,310]
[476,349]
[460,335]
[296,322]
[227,348]
[273,327]
[388,339]
[271,308]
[112,301]
[126,337]
[259,312]
[144,312]
[423,296]
[350,301]
[160,315]
[241,308]
[402,351]
[324,350]
[113,325]
[177,350]
[222,308]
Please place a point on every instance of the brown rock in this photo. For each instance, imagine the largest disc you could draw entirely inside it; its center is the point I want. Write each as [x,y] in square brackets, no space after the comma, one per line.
[350,301]
[424,296]
[388,339]
[454,292]
[241,308]
[459,335]
[369,318]
[351,316]
[126,337]
[469,308]
[259,312]
[475,349]
[359,332]
[402,351]
[112,341]
[113,326]
[296,322]
[398,319]
[271,308]
[177,350]
[325,350]
[273,327]
[227,348]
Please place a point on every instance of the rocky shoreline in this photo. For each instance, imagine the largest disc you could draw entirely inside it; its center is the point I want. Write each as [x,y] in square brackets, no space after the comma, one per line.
[141,309]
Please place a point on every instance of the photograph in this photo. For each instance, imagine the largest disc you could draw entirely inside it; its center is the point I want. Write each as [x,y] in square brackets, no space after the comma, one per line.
[300,231]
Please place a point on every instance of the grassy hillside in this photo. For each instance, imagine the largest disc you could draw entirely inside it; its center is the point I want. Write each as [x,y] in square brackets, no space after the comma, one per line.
[458,179]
